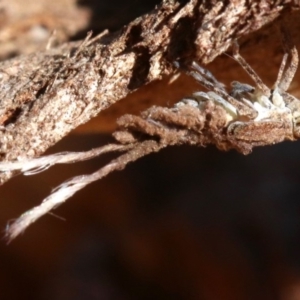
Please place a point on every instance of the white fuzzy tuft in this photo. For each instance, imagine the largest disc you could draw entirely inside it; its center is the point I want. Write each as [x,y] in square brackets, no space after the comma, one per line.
[40,164]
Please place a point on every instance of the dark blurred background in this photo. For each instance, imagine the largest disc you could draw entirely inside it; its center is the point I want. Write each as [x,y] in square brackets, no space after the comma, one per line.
[186,223]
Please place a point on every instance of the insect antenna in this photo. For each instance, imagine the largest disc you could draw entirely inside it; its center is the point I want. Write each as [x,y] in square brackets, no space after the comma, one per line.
[259,83]
[281,70]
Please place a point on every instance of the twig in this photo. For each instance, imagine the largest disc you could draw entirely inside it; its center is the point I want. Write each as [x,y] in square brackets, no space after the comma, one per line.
[37,165]
[70,187]
[189,126]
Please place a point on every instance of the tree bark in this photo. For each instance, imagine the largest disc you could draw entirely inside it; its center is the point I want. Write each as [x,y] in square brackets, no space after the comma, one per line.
[47,94]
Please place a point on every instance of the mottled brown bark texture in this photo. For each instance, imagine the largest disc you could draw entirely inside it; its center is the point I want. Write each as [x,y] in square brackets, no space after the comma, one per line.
[47,94]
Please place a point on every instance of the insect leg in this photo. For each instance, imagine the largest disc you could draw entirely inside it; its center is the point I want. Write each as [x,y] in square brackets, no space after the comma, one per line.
[241,107]
[265,90]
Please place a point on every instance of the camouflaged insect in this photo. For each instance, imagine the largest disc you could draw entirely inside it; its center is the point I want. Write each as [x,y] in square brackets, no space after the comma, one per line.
[255,116]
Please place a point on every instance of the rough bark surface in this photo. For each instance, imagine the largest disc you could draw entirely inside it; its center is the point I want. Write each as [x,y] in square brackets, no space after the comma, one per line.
[47,94]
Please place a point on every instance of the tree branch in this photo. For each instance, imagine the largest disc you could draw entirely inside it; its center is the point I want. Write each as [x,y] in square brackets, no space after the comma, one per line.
[45,95]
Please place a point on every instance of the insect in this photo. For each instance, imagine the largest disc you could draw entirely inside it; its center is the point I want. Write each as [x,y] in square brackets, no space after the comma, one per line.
[252,116]
[256,116]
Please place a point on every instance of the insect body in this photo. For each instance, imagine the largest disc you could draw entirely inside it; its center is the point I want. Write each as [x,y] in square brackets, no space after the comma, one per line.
[257,115]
